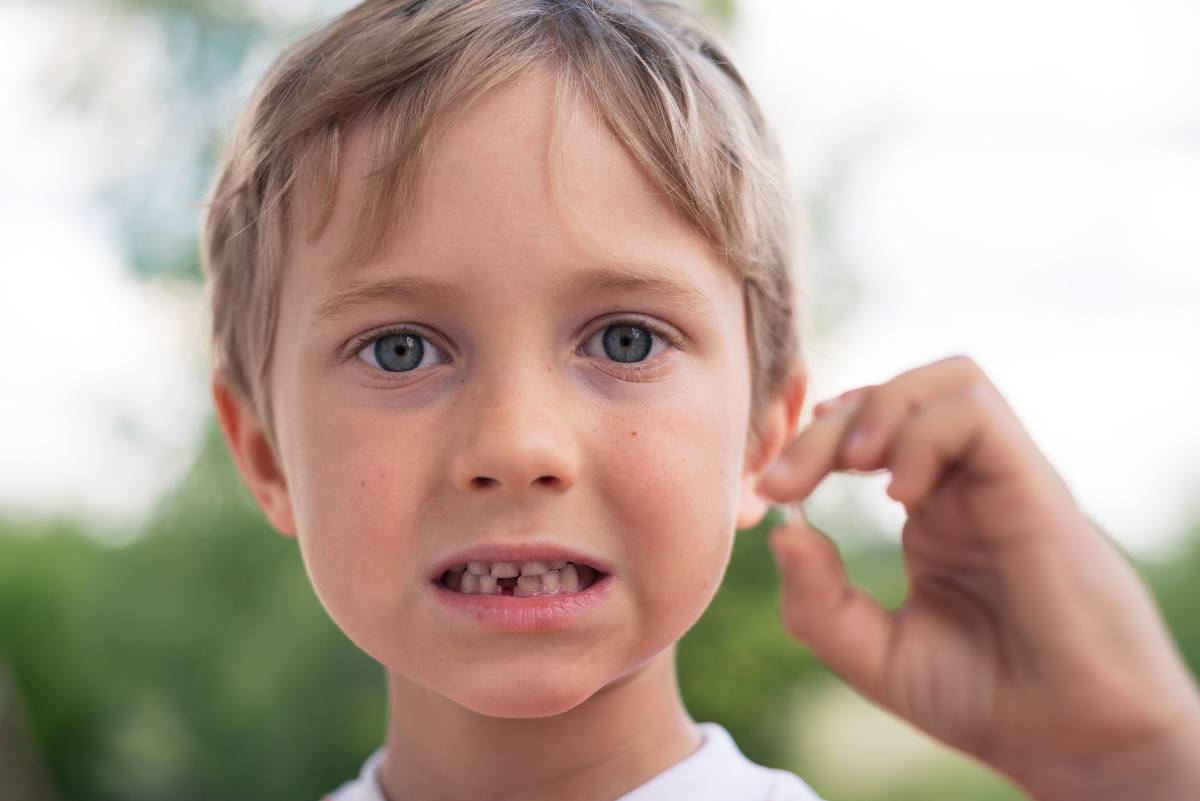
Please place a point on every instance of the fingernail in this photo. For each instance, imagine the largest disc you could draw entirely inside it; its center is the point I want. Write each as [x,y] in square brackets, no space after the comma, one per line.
[832,403]
[779,470]
[782,557]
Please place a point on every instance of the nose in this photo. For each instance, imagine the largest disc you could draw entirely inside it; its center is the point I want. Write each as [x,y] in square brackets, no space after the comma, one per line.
[516,437]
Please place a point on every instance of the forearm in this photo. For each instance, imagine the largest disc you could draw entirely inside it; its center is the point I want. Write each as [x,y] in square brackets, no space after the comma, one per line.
[1166,769]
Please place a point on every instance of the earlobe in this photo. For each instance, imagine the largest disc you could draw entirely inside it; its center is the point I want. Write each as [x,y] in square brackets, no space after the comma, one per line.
[778,426]
[253,455]
[752,506]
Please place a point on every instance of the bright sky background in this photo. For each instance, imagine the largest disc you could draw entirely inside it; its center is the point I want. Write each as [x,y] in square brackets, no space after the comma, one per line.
[1019,182]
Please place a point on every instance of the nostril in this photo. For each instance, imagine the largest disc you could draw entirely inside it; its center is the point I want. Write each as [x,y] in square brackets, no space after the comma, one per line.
[482,481]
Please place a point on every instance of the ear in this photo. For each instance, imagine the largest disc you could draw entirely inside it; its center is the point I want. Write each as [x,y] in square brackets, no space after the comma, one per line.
[777,427]
[254,456]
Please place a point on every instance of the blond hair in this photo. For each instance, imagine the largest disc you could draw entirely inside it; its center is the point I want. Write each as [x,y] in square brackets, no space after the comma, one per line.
[656,73]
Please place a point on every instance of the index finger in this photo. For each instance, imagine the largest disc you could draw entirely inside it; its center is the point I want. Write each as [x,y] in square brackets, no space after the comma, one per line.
[794,479]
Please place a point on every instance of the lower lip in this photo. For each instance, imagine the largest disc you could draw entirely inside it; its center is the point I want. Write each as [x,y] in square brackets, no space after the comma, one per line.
[539,613]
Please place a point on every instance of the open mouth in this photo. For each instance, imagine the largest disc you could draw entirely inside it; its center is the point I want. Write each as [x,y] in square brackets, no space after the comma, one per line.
[523,580]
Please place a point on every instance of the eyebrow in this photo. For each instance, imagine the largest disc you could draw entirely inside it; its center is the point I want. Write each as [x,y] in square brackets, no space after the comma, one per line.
[627,278]
[395,290]
[609,280]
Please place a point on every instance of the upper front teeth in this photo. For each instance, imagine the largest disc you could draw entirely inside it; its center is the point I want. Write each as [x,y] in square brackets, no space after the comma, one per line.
[533,578]
[510,569]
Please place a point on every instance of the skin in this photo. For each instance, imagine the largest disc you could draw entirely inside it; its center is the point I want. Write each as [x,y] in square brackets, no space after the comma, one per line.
[647,466]
[1027,639]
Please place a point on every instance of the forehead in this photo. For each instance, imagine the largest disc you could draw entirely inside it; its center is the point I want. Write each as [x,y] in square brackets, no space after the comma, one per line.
[506,185]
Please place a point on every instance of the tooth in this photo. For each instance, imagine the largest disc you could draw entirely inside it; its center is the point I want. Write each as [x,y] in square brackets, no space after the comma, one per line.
[487,584]
[533,568]
[505,570]
[478,568]
[550,580]
[470,583]
[556,565]
[528,585]
[570,579]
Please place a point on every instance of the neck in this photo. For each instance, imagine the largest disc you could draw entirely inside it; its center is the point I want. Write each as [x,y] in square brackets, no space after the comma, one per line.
[621,736]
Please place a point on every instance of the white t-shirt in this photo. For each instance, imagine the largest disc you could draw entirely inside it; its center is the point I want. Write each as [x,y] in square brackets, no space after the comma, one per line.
[717,771]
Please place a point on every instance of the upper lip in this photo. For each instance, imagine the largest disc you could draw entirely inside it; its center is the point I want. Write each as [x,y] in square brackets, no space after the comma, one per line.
[519,554]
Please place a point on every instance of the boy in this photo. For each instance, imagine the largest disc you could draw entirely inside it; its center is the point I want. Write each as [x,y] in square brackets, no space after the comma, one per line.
[503,334]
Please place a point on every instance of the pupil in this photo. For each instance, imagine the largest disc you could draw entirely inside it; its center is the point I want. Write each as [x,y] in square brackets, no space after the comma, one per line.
[627,343]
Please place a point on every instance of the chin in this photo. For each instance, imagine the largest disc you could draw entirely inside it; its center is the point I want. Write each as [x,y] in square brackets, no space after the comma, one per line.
[531,698]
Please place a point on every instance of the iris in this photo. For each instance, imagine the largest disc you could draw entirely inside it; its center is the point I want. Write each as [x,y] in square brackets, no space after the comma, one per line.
[627,343]
[399,352]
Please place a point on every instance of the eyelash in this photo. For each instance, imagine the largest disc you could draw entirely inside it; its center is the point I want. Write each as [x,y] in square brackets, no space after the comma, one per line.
[640,321]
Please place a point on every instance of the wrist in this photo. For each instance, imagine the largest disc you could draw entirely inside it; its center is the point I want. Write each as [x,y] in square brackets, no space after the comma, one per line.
[1165,767]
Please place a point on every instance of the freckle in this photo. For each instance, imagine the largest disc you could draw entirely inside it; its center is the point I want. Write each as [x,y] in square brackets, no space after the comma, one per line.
[633,433]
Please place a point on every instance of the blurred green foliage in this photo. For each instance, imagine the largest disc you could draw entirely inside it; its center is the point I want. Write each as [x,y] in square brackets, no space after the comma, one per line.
[193,664]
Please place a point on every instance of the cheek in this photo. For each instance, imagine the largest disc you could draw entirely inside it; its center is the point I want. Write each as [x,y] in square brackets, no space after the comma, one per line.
[361,488]
[361,470]
[670,476]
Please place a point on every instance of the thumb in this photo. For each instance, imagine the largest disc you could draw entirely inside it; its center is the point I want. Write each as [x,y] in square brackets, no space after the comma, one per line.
[842,625]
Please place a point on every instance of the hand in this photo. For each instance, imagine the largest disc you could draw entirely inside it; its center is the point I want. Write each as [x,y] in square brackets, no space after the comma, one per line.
[1026,639]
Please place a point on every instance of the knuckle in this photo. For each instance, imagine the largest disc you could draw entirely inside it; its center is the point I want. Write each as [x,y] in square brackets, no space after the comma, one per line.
[965,363]
[868,400]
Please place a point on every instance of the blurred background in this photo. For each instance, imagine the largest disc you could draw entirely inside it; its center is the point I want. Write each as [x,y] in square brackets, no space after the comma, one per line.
[1018,182]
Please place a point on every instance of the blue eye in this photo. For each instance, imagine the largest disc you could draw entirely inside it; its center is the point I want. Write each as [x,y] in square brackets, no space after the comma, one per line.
[627,343]
[630,341]
[398,351]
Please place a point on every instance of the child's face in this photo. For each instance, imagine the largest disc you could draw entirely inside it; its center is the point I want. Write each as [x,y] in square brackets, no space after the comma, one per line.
[517,425]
